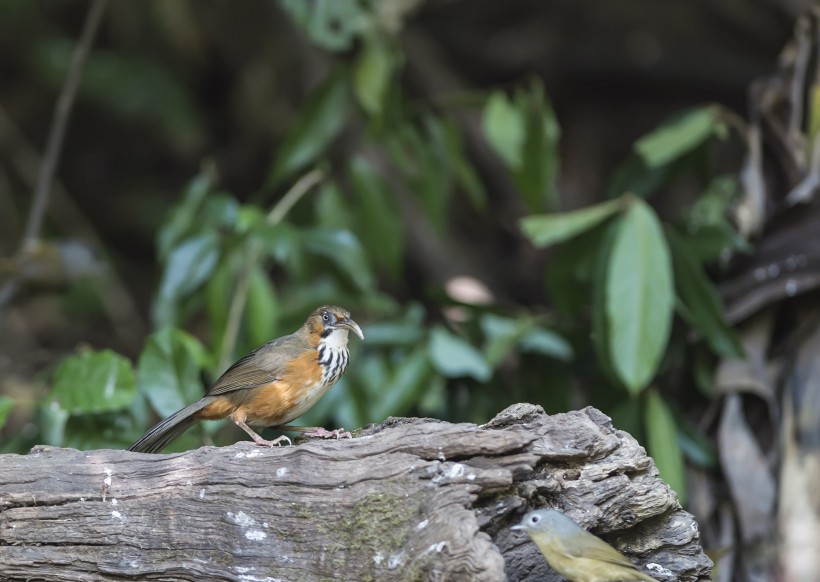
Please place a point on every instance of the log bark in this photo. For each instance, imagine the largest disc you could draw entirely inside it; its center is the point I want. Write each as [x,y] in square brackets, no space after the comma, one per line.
[409,499]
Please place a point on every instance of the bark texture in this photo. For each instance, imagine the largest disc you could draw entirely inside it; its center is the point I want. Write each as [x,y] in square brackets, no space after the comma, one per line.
[409,499]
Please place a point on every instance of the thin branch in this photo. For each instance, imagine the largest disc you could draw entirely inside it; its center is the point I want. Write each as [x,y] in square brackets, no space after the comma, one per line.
[240,294]
[62,112]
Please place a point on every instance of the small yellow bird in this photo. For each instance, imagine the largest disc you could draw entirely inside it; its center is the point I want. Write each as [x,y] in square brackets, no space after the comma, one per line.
[575,553]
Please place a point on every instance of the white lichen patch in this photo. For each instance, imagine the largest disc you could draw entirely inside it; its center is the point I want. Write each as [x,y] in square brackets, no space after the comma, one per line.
[202,493]
[255,535]
[249,455]
[241,519]
[117,515]
[378,558]
[107,480]
[281,472]
[422,524]
[659,569]
[395,560]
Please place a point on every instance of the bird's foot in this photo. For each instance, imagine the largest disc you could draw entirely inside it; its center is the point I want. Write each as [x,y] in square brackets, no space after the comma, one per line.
[275,442]
[320,432]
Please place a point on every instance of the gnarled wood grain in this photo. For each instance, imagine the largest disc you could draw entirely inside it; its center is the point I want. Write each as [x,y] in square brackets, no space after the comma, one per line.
[410,499]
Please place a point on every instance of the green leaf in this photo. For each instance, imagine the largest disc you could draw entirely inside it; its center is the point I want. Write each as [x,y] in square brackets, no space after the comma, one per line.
[634,177]
[407,384]
[703,307]
[680,135]
[189,266]
[6,404]
[502,335]
[639,296]
[342,248]
[538,175]
[333,210]
[662,442]
[546,229]
[319,122]
[547,342]
[168,371]
[262,310]
[331,24]
[504,127]
[453,357]
[183,217]
[94,382]
[379,219]
[372,73]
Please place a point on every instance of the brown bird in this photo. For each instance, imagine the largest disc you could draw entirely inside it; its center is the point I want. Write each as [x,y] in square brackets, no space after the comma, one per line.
[272,385]
[575,553]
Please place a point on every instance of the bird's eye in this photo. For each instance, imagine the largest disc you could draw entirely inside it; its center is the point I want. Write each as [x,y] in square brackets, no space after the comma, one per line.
[325,316]
[534,519]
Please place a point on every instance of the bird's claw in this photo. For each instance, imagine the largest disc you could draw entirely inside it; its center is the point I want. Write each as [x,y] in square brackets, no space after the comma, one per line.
[275,442]
[320,432]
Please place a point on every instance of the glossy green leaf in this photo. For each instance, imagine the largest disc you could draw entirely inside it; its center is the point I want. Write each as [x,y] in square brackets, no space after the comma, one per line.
[93,382]
[546,229]
[342,248]
[704,309]
[639,296]
[319,122]
[504,127]
[680,135]
[262,308]
[372,73]
[600,322]
[6,404]
[379,218]
[168,371]
[662,443]
[454,357]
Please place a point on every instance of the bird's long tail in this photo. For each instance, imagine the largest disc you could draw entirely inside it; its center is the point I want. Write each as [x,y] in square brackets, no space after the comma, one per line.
[167,430]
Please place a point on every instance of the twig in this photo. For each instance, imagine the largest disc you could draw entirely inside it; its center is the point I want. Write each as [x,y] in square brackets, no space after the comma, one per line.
[58,126]
[240,294]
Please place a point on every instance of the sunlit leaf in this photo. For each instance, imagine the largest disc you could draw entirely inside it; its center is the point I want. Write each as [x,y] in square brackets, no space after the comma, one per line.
[546,229]
[639,296]
[93,382]
[504,127]
[168,372]
[453,357]
[680,135]
[662,443]
[704,309]
[319,122]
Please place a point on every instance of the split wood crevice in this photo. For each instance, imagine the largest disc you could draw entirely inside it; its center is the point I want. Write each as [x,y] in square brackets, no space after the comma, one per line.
[409,499]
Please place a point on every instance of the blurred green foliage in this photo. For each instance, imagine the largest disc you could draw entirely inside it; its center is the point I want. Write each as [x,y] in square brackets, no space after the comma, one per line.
[626,287]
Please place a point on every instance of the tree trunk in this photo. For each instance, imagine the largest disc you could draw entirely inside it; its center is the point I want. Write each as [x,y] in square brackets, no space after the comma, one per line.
[410,499]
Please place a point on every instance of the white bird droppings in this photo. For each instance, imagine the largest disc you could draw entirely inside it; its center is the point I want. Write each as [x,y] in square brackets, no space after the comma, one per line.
[422,524]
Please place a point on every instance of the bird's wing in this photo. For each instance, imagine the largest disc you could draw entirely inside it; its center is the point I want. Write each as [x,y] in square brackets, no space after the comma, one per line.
[595,548]
[605,553]
[259,368]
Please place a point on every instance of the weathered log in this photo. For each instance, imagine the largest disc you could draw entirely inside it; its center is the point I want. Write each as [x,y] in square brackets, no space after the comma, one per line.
[410,499]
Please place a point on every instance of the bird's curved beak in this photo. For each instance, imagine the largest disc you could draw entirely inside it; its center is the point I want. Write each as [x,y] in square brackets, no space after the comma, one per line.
[351,325]
[518,527]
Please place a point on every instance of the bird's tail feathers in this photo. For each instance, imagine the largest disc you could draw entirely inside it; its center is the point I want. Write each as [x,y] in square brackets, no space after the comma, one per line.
[167,430]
